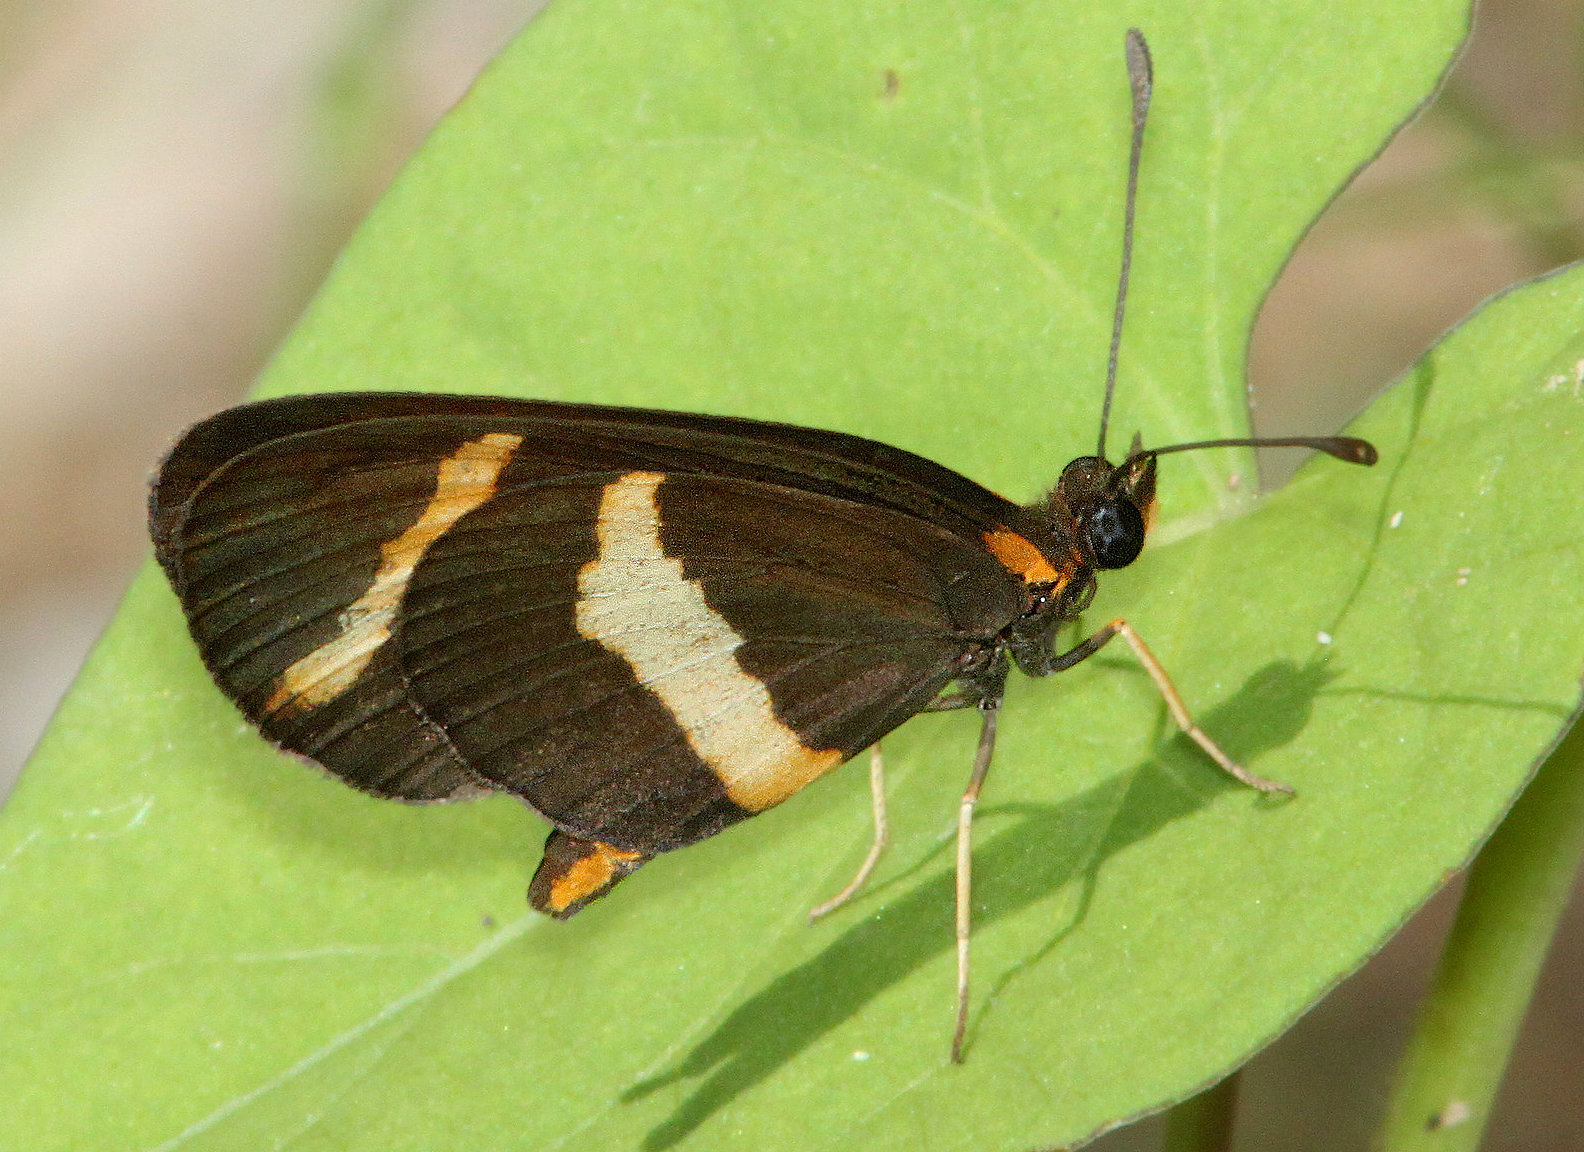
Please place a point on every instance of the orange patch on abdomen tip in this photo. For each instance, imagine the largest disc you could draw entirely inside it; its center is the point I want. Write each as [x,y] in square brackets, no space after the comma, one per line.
[1019,556]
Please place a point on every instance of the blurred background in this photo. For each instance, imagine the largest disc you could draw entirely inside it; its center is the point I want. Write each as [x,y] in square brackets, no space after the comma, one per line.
[176,176]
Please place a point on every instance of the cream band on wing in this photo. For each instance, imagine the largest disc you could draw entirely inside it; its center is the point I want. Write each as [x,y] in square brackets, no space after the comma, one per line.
[464,481]
[634,600]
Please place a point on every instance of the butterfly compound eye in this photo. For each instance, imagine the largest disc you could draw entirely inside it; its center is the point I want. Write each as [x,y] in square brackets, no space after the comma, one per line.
[1114,532]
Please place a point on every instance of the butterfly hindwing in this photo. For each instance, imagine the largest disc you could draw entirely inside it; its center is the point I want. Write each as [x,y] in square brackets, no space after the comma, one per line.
[663,655]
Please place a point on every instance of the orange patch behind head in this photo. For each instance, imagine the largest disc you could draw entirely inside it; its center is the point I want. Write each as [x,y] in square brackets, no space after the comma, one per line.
[1019,556]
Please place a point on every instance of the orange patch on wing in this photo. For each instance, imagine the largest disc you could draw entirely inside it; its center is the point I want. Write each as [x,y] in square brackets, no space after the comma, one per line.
[774,781]
[1018,555]
[589,875]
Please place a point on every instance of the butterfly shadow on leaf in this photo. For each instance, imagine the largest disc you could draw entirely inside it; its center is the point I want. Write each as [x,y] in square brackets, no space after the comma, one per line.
[1036,852]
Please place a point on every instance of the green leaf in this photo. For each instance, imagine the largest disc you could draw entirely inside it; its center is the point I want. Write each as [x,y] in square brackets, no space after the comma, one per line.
[900,221]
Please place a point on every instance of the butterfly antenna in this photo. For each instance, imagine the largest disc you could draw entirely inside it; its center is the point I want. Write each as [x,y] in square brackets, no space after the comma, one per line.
[1141,75]
[1349,449]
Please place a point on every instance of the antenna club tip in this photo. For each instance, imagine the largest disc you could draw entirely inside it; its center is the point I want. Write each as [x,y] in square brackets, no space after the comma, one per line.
[1354,450]
[1140,67]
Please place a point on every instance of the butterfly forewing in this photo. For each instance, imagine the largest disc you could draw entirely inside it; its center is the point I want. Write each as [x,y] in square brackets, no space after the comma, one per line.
[645,625]
[270,553]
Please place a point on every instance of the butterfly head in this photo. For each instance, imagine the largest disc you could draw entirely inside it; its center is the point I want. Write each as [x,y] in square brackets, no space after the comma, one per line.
[1106,508]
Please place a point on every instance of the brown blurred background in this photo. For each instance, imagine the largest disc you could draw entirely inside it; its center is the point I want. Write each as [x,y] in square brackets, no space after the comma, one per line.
[175,178]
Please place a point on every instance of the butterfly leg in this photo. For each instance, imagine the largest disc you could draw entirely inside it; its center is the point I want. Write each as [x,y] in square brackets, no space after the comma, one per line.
[989,710]
[881,836]
[1163,685]
[952,701]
